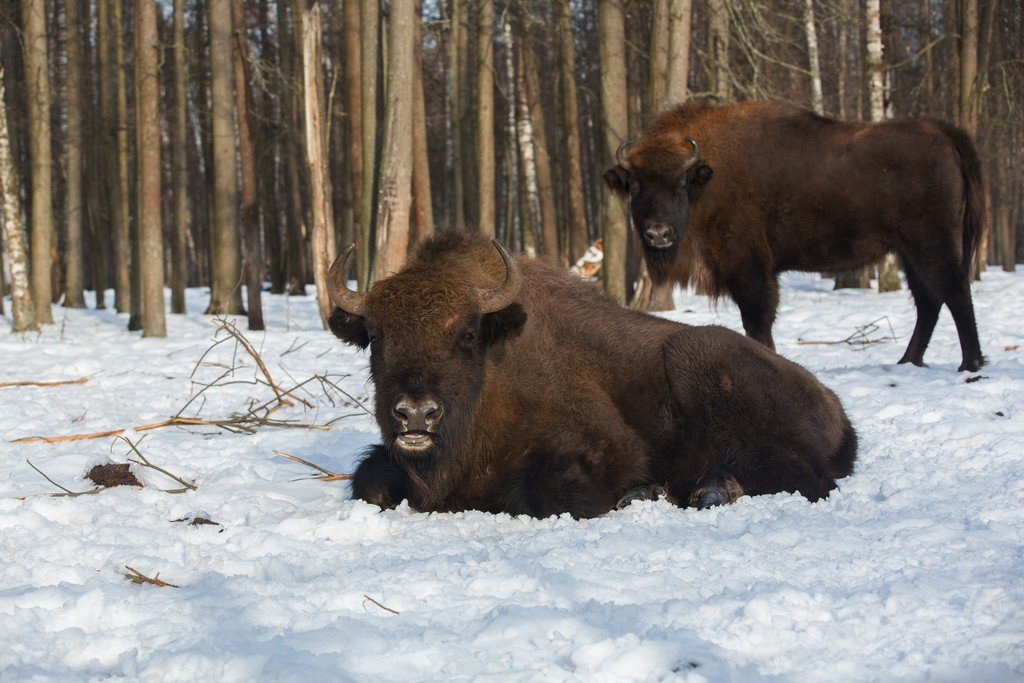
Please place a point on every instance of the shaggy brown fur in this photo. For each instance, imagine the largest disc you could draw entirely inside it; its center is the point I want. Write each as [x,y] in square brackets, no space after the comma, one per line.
[563,400]
[779,188]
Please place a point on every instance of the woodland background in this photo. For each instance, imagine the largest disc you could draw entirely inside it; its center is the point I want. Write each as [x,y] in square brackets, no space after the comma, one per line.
[218,143]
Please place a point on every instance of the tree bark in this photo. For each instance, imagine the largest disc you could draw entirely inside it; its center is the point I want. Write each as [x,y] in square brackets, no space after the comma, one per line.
[814,61]
[718,39]
[74,284]
[23,314]
[423,205]
[151,239]
[130,222]
[535,114]
[612,39]
[316,157]
[179,170]
[354,107]
[395,198]
[226,278]
[457,108]
[369,19]
[486,216]
[680,13]
[37,79]
[247,161]
[579,237]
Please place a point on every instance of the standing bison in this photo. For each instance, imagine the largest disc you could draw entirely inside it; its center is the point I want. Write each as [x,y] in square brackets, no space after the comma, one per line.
[738,194]
[508,385]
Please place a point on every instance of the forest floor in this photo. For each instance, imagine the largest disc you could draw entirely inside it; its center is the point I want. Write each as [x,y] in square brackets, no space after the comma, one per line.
[912,570]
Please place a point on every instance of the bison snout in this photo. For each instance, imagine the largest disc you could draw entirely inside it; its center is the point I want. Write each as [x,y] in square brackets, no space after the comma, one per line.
[418,416]
[659,235]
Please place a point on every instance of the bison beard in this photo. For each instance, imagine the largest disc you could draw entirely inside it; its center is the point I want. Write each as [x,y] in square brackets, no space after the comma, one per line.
[537,394]
[772,188]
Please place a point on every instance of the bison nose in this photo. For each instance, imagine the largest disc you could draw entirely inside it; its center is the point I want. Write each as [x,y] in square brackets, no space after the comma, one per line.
[658,235]
[418,416]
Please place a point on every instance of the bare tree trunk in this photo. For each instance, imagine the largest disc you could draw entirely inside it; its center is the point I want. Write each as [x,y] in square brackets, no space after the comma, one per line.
[579,238]
[967,103]
[423,205]
[130,221]
[457,108]
[97,218]
[75,276]
[354,107]
[369,20]
[117,224]
[226,278]
[486,222]
[657,80]
[680,14]
[22,309]
[247,160]
[817,99]
[395,198]
[179,135]
[612,39]
[319,181]
[718,39]
[888,271]
[37,78]
[534,111]
[151,238]
[291,149]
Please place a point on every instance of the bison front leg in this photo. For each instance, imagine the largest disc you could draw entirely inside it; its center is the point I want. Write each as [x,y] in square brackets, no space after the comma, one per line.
[756,294]
[379,481]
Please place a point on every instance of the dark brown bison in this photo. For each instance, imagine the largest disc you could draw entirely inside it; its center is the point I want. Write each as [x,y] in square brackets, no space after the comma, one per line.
[507,385]
[751,190]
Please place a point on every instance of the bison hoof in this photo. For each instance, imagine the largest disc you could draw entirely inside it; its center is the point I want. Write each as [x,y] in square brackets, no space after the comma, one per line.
[640,493]
[715,488]
[971,365]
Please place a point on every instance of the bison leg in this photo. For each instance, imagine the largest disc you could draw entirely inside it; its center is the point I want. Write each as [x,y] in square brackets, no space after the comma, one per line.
[928,305]
[757,295]
[716,487]
[379,481]
[958,299]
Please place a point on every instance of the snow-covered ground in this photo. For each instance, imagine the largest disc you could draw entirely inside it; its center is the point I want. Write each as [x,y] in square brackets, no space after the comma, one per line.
[913,570]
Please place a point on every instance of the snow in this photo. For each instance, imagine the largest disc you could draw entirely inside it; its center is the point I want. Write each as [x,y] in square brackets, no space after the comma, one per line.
[911,571]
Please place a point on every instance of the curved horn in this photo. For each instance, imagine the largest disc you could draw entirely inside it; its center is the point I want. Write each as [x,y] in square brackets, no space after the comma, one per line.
[344,298]
[492,300]
[696,154]
[626,144]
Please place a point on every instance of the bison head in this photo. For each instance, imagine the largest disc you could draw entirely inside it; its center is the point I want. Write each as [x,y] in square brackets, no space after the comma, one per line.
[429,329]
[657,184]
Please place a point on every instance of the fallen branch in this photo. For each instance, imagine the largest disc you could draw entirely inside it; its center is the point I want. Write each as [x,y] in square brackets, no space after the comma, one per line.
[54,383]
[69,437]
[378,604]
[139,578]
[860,337]
[144,462]
[67,492]
[326,476]
[230,328]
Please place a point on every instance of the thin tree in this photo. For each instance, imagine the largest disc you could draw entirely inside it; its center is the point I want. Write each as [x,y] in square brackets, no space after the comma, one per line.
[179,170]
[354,109]
[612,40]
[423,205]
[395,197]
[23,315]
[151,239]
[813,58]
[75,273]
[542,160]
[128,242]
[322,212]
[37,80]
[888,272]
[225,242]
[457,108]
[680,13]
[486,216]
[579,238]
[247,161]
[369,20]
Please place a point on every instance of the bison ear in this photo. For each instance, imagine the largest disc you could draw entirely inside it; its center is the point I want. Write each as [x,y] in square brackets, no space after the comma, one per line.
[701,175]
[349,328]
[504,324]
[616,178]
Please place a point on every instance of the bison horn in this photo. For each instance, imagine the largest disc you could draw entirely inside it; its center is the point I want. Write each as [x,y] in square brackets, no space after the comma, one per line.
[696,154]
[618,153]
[492,300]
[344,298]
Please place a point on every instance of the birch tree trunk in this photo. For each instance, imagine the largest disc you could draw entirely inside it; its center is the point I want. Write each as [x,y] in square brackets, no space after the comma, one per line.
[151,238]
[888,270]
[680,13]
[37,80]
[369,20]
[534,111]
[395,197]
[23,314]
[814,61]
[179,170]
[579,238]
[75,273]
[247,160]
[486,217]
[612,39]
[226,278]
[316,157]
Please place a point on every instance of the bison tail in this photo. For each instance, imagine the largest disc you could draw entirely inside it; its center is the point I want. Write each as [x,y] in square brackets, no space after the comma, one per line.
[975,208]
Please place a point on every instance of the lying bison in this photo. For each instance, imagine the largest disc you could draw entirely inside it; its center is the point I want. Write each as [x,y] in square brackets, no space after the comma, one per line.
[511,386]
[739,193]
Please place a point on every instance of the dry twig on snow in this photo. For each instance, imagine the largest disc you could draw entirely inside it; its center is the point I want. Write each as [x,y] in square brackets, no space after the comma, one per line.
[53,383]
[139,578]
[326,476]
